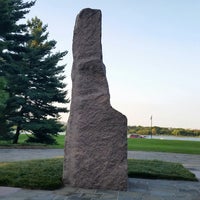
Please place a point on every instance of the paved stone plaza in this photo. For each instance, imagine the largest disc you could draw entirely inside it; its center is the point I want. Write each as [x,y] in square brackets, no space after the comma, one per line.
[139,189]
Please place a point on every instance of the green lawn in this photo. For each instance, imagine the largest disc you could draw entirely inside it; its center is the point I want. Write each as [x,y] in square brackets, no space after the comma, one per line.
[35,174]
[156,169]
[47,174]
[172,146]
[21,143]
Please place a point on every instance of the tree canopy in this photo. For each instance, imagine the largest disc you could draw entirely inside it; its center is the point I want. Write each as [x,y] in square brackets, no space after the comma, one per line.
[141,130]
[34,79]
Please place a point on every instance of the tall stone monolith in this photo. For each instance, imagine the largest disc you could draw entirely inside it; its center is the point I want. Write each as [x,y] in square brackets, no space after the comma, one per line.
[96,144]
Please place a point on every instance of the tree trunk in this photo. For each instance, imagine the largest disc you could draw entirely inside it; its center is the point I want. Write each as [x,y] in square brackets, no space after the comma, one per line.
[16,136]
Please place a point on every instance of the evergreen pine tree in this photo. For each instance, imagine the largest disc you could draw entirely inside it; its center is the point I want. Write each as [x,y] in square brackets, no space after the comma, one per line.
[44,87]
[4,129]
[34,80]
[3,93]
[12,39]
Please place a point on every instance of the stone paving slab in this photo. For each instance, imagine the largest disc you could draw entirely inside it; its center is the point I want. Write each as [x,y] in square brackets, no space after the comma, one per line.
[139,189]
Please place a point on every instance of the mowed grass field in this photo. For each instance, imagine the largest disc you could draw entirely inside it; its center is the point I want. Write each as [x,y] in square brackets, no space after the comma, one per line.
[171,146]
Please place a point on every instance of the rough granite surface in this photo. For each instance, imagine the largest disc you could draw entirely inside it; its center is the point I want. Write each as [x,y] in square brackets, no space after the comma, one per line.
[96,143]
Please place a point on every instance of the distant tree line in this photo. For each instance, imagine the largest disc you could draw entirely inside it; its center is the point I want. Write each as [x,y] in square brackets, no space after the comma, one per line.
[31,80]
[155,130]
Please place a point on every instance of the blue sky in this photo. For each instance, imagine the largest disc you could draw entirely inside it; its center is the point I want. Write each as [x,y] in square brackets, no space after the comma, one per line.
[151,49]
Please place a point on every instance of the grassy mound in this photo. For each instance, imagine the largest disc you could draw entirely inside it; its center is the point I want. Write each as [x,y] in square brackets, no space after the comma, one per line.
[155,169]
[47,174]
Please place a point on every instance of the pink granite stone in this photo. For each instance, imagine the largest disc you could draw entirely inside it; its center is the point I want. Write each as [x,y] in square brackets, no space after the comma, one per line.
[96,140]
